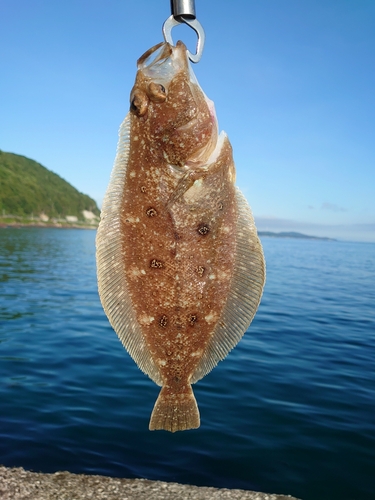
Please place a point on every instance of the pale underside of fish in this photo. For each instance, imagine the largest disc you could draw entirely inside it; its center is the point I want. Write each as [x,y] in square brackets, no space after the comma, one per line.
[180,266]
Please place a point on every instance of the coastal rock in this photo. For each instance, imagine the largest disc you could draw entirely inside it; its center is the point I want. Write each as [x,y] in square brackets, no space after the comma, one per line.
[88,215]
[71,218]
[17,484]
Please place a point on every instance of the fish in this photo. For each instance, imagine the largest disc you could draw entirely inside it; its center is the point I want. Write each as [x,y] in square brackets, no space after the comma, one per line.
[180,266]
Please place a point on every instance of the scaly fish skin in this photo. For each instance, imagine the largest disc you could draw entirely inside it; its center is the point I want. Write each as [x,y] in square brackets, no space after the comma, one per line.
[180,267]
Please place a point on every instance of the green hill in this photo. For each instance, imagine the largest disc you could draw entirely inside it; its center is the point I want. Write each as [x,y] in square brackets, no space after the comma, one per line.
[27,188]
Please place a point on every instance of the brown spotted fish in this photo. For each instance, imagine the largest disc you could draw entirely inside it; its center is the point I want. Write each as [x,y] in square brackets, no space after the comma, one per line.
[180,266]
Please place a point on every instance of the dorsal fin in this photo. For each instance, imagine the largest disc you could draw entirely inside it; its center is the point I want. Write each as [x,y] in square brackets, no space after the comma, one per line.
[244,295]
[112,286]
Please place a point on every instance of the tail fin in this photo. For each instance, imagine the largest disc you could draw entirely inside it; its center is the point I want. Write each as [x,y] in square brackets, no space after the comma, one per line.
[175,412]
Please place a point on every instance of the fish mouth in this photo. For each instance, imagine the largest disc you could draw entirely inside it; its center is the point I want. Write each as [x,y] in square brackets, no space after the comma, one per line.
[163,61]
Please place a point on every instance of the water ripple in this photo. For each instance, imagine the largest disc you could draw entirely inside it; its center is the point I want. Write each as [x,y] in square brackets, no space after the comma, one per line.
[290,410]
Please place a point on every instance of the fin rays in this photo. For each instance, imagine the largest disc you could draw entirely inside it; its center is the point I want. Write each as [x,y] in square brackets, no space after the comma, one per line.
[244,296]
[111,274]
[175,412]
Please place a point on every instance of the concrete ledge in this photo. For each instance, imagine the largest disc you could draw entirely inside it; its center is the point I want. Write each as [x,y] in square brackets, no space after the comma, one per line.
[18,484]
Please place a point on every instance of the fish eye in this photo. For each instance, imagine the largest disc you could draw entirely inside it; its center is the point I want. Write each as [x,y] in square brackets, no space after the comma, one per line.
[157,92]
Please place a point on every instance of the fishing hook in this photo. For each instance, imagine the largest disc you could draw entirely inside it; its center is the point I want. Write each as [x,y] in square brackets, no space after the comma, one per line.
[183,11]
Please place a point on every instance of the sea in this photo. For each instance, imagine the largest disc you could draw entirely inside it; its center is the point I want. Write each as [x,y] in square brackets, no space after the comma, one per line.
[291,409]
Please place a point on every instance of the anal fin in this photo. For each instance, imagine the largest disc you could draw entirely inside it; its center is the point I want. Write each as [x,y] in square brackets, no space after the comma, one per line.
[175,412]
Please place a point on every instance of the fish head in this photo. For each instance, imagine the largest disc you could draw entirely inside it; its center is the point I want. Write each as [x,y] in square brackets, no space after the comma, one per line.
[172,112]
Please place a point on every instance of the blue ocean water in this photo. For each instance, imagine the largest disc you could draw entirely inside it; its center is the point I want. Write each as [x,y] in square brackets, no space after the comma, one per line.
[291,410]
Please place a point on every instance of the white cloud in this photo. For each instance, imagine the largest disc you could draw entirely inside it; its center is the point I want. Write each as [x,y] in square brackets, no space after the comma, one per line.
[332,207]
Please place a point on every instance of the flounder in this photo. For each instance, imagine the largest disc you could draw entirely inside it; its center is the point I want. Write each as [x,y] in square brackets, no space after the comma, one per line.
[180,266]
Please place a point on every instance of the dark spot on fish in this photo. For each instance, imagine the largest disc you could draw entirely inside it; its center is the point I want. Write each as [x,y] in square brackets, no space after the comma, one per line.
[143,189]
[176,235]
[156,264]
[163,321]
[193,319]
[177,369]
[203,229]
[151,212]
[200,270]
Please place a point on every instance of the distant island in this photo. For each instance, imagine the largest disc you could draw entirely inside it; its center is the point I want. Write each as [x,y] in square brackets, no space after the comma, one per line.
[292,234]
[32,195]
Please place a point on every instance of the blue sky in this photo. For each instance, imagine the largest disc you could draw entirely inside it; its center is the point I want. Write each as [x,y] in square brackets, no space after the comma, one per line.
[293,82]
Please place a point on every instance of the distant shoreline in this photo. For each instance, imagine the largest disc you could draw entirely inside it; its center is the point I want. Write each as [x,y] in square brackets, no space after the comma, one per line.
[67,225]
[48,225]
[294,235]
